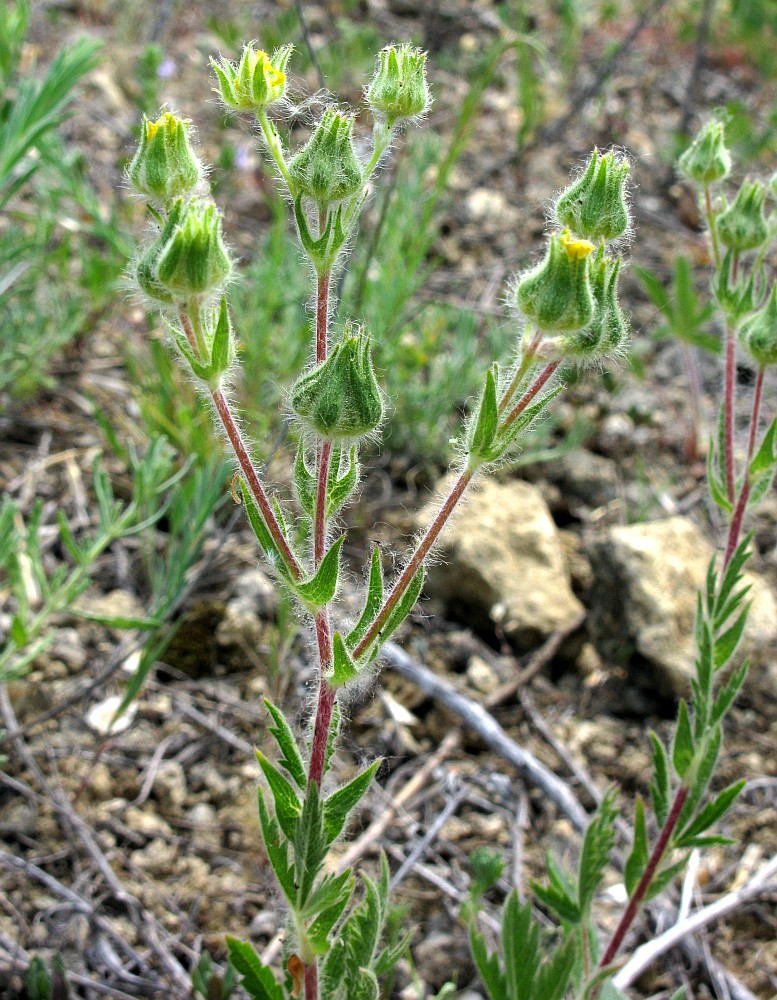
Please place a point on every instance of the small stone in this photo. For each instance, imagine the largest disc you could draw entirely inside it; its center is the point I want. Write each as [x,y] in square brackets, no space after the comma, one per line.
[170,786]
[68,647]
[481,676]
[157,857]
[257,587]
[240,626]
[149,824]
[101,782]
[438,957]
[264,924]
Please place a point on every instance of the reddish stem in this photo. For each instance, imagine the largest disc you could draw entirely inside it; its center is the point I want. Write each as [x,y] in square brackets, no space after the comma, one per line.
[311,981]
[643,885]
[737,518]
[410,570]
[521,370]
[254,484]
[322,317]
[319,539]
[530,393]
[326,702]
[728,412]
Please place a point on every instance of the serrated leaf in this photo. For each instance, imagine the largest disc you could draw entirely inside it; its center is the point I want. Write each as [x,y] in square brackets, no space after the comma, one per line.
[291,760]
[287,803]
[342,802]
[333,968]
[725,697]
[257,978]
[520,948]
[636,863]
[712,812]
[362,931]
[364,987]
[329,891]
[262,533]
[553,978]
[488,966]
[732,574]
[321,587]
[683,749]
[507,436]
[598,841]
[404,606]
[557,901]
[485,425]
[277,848]
[373,600]
[703,773]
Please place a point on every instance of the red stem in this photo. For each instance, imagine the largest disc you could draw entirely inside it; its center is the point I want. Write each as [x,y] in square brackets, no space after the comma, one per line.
[322,317]
[311,982]
[639,893]
[728,412]
[530,393]
[521,370]
[252,478]
[319,540]
[421,552]
[737,518]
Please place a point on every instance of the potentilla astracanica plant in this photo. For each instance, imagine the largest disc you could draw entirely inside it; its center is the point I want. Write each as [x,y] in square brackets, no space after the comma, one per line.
[338,943]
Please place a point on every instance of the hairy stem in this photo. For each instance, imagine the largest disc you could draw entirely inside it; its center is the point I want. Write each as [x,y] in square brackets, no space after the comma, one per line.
[737,518]
[319,534]
[711,226]
[525,363]
[322,316]
[311,982]
[541,380]
[414,563]
[728,412]
[638,896]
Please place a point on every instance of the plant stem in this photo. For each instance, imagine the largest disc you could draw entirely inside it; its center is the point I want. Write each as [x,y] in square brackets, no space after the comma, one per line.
[523,366]
[638,896]
[711,226]
[735,528]
[322,316]
[415,561]
[319,539]
[274,145]
[530,393]
[311,982]
[728,412]
[254,484]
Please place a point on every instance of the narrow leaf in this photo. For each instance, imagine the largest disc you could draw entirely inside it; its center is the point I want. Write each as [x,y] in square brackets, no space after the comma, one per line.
[257,978]
[597,843]
[727,694]
[373,601]
[726,644]
[342,802]
[683,750]
[488,966]
[284,737]
[660,789]
[277,848]
[287,804]
[764,460]
[713,811]
[344,667]
[638,858]
[405,605]
[304,483]
[340,487]
[486,424]
[320,588]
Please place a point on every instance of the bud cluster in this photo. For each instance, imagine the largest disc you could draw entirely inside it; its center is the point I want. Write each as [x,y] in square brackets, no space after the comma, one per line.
[570,297]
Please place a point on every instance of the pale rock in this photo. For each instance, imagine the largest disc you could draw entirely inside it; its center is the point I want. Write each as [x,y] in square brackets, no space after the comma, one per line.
[501,559]
[114,604]
[240,625]
[481,676]
[643,601]
[68,647]
[484,205]
[146,822]
[257,587]
[157,857]
[170,786]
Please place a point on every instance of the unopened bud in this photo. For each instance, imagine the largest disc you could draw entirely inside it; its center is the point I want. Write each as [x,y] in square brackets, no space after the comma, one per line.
[340,398]
[399,88]
[164,167]
[742,225]
[327,168]
[557,294]
[254,83]
[758,333]
[594,206]
[707,159]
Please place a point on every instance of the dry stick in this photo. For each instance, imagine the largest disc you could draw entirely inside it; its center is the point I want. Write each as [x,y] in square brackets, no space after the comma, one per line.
[486,726]
[429,837]
[764,880]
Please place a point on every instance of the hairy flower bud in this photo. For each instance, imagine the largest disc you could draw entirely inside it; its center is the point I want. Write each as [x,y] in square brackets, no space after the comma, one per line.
[164,167]
[327,168]
[188,258]
[254,83]
[707,159]
[340,398]
[594,206]
[399,88]
[758,333]
[742,226]
[557,293]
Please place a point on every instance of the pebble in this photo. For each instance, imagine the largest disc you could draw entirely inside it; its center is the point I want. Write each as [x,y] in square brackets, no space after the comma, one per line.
[170,786]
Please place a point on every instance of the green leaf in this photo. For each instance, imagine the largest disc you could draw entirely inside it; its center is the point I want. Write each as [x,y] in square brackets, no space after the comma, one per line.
[257,978]
[486,424]
[18,631]
[488,966]
[291,760]
[221,353]
[320,588]
[705,766]
[712,812]
[725,697]
[344,667]
[329,891]
[597,843]
[342,802]
[364,986]
[553,978]
[636,863]
[664,878]
[372,603]
[765,458]
[654,286]
[558,901]
[726,644]
[304,483]
[287,804]
[310,845]
[277,848]
[520,948]
[339,488]
[609,991]
[683,750]
[362,930]
[507,436]
[732,574]
[716,485]
[117,621]
[262,533]
[404,606]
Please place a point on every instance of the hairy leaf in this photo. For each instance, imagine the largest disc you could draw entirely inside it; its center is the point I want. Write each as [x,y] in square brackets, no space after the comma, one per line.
[638,858]
[257,978]
[660,788]
[277,848]
[340,803]
[291,761]
[683,749]
[320,588]
[287,804]
[597,843]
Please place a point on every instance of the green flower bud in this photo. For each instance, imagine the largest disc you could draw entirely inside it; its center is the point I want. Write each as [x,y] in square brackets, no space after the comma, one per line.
[607,332]
[557,294]
[594,206]
[146,266]
[736,298]
[707,159]
[340,398]
[758,333]
[254,83]
[399,88]
[164,166]
[742,225]
[193,262]
[327,168]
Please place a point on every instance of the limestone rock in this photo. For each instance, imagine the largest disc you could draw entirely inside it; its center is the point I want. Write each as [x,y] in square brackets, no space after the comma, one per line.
[643,600]
[501,559]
